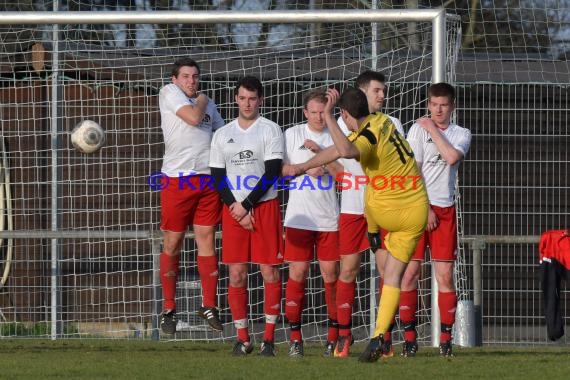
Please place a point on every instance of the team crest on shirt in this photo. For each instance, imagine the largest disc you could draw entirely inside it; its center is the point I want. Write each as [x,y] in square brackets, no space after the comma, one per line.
[207,119]
[245,157]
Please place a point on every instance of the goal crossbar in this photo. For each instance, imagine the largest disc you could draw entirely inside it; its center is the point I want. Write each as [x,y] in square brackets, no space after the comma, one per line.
[221,17]
[436,16]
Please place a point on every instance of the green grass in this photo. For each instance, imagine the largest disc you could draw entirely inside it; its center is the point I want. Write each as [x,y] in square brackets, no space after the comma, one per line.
[118,359]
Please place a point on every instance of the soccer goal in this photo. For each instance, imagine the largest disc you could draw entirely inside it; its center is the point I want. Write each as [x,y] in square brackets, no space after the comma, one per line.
[84,236]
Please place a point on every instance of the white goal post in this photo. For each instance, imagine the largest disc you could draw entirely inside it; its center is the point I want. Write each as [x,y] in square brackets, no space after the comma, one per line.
[83,239]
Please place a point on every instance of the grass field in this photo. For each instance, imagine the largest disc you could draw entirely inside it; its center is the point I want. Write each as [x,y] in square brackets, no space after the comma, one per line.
[118,359]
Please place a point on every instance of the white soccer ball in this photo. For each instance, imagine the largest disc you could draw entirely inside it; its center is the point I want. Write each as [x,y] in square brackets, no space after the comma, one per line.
[88,137]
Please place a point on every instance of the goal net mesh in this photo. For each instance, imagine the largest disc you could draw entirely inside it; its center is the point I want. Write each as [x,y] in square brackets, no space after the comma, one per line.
[106,285]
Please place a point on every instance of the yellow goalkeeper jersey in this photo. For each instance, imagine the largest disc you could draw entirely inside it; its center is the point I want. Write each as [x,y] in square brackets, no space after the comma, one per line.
[394,180]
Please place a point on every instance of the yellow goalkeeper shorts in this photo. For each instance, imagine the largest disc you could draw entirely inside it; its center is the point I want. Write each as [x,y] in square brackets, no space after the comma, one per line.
[405,228]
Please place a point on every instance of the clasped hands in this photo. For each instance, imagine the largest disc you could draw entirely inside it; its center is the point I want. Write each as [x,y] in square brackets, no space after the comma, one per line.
[242,216]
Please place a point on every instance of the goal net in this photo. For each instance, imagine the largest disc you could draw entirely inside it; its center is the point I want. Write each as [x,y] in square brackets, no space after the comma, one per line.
[84,229]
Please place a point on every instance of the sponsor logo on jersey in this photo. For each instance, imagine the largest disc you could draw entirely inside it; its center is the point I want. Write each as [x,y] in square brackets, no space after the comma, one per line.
[245,157]
[244,154]
[437,160]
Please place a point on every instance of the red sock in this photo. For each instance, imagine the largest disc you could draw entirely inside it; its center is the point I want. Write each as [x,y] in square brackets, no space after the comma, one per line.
[272,308]
[294,297]
[330,299]
[447,303]
[237,299]
[344,300]
[208,271]
[408,309]
[169,269]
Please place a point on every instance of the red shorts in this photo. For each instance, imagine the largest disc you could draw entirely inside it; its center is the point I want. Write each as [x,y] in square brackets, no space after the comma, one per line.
[263,245]
[443,240]
[183,206]
[300,245]
[352,231]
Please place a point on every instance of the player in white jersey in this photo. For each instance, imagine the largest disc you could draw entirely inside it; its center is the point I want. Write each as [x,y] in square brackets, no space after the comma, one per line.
[188,119]
[352,223]
[245,160]
[311,221]
[439,147]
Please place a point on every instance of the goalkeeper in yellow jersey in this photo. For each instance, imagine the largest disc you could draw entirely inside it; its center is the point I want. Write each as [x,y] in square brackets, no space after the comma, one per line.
[395,198]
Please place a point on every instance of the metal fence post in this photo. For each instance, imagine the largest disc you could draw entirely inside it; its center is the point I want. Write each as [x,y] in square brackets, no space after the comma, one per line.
[477,246]
[156,290]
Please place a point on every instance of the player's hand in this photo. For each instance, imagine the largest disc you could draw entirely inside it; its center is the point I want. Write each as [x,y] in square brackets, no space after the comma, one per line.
[312,146]
[426,123]
[291,170]
[332,98]
[247,222]
[316,172]
[237,211]
[374,240]
[433,221]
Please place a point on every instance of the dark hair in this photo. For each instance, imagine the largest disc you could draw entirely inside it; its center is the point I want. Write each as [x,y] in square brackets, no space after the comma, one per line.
[354,102]
[442,89]
[250,83]
[181,63]
[318,95]
[364,79]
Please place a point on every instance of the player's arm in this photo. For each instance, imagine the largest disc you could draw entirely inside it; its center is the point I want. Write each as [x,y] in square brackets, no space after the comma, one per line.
[286,167]
[267,180]
[219,171]
[448,152]
[239,210]
[222,186]
[332,168]
[193,114]
[324,157]
[344,147]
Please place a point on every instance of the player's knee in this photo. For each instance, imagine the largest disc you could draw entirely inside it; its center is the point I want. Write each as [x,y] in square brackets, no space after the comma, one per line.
[409,282]
[270,273]
[238,278]
[171,249]
[348,274]
[297,275]
[329,276]
[411,275]
[445,282]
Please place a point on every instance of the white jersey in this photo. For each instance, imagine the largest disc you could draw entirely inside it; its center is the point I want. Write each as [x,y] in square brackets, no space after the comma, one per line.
[243,153]
[352,200]
[312,201]
[187,147]
[438,176]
